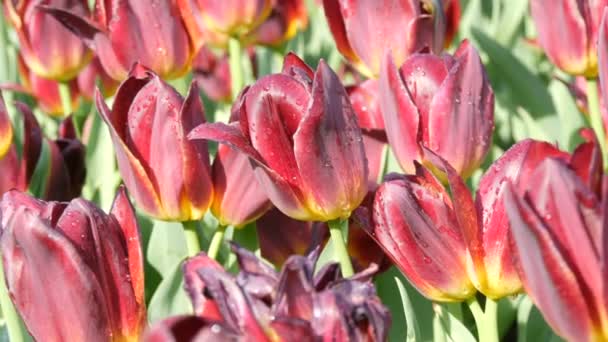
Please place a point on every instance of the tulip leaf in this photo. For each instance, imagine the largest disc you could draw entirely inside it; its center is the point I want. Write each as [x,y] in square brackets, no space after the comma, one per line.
[413,332]
[170,297]
[38,182]
[167,246]
[511,17]
[570,118]
[453,328]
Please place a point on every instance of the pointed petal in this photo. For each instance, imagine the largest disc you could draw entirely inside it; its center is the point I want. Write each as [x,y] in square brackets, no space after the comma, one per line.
[338,30]
[295,290]
[203,305]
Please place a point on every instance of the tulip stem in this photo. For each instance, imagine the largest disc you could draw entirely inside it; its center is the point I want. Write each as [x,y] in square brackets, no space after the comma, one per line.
[490,321]
[595,117]
[192,240]
[66,99]
[216,242]
[236,68]
[339,245]
[15,328]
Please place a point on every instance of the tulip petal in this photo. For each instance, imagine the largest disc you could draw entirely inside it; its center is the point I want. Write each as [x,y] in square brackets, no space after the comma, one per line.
[35,254]
[602,52]
[548,276]
[401,117]
[329,150]
[189,328]
[10,172]
[6,129]
[586,161]
[338,30]
[463,107]
[195,286]
[293,65]
[295,289]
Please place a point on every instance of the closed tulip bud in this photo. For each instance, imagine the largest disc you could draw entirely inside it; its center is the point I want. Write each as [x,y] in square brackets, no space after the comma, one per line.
[261,304]
[73,272]
[210,21]
[571,45]
[49,50]
[364,98]
[406,27]
[45,91]
[302,135]
[168,175]
[558,226]
[286,18]
[444,103]
[416,223]
[126,32]
[94,75]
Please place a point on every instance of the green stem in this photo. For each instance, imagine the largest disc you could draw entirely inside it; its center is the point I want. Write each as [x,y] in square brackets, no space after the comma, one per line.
[66,98]
[192,240]
[216,242]
[236,68]
[478,315]
[16,330]
[595,116]
[490,321]
[339,245]
[383,163]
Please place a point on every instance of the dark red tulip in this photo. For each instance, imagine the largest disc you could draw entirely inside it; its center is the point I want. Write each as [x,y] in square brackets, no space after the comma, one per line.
[286,18]
[126,32]
[444,103]
[94,75]
[406,27]
[558,226]
[302,136]
[54,170]
[262,305]
[571,46]
[49,50]
[365,100]
[167,175]
[73,272]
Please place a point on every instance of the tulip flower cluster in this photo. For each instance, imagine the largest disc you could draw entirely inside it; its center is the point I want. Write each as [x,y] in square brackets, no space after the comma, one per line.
[330,170]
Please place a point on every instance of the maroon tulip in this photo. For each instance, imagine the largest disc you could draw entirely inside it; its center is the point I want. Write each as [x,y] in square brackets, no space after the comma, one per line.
[53,170]
[263,305]
[558,226]
[73,272]
[406,27]
[364,98]
[92,76]
[571,45]
[443,103]
[48,49]
[168,175]
[126,32]
[302,135]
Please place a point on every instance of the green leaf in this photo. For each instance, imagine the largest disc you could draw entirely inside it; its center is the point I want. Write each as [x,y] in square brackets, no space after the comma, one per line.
[413,332]
[170,297]
[453,328]
[167,246]
[570,118]
[38,182]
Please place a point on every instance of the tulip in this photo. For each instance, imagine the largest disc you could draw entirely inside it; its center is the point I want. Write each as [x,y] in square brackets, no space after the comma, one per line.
[263,305]
[48,49]
[238,199]
[302,136]
[6,129]
[558,228]
[364,98]
[571,46]
[45,91]
[167,175]
[73,272]
[286,18]
[444,103]
[53,170]
[126,32]
[406,27]
[215,21]
[92,76]
[451,10]
[212,74]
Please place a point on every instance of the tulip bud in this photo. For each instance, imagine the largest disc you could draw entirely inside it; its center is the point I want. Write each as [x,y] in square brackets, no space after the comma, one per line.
[212,74]
[126,32]
[406,27]
[302,135]
[92,76]
[49,50]
[558,227]
[571,45]
[286,18]
[45,91]
[168,175]
[73,272]
[443,103]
